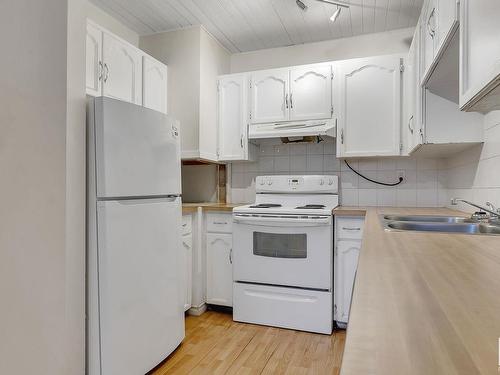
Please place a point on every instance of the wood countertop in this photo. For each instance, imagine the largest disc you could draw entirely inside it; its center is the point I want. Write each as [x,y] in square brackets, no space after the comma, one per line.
[423,303]
[209,206]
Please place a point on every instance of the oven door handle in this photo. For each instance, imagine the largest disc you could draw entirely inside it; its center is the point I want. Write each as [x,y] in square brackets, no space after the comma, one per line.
[283,221]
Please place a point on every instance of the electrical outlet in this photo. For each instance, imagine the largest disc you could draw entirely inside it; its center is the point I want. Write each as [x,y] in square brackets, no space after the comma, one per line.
[401,173]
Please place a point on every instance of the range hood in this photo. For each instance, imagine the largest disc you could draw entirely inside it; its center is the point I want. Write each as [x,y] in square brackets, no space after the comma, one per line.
[292,130]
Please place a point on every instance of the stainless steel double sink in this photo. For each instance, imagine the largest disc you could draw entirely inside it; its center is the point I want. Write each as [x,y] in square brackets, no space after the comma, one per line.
[446,224]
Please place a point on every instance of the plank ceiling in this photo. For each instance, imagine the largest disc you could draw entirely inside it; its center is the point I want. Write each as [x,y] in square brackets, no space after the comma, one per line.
[247,25]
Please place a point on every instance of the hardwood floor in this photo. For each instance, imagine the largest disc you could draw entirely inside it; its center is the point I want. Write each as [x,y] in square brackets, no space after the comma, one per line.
[214,344]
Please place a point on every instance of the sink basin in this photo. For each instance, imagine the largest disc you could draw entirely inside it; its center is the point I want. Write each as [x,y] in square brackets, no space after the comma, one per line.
[428,218]
[453,227]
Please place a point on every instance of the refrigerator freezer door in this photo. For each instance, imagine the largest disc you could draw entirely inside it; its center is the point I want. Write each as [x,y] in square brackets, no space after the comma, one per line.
[141,311]
[137,151]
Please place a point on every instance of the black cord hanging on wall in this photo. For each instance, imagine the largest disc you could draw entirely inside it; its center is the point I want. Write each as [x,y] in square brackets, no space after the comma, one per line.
[401,179]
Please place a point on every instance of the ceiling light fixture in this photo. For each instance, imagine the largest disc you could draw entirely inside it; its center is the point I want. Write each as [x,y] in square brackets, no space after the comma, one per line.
[335,15]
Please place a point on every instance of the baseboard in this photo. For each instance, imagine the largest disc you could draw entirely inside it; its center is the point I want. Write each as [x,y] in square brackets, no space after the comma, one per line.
[197,310]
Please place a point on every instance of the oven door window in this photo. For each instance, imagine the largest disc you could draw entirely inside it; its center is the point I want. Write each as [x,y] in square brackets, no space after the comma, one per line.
[277,245]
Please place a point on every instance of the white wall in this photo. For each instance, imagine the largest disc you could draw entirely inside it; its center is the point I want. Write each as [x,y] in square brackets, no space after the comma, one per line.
[475,173]
[199,183]
[422,188]
[180,50]
[41,242]
[385,43]
[103,19]
[194,60]
[214,61]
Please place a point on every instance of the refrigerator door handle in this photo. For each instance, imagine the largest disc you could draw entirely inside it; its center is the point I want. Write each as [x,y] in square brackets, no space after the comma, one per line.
[145,200]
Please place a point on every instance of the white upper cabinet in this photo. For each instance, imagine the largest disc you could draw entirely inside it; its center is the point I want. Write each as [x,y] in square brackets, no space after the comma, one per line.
[428,35]
[117,69]
[233,117]
[410,92]
[292,94]
[270,100]
[368,93]
[93,60]
[447,19]
[154,84]
[310,92]
[122,77]
[479,55]
[438,24]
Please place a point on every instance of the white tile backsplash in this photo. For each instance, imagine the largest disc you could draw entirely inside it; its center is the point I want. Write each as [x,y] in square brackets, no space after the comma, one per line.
[475,173]
[319,158]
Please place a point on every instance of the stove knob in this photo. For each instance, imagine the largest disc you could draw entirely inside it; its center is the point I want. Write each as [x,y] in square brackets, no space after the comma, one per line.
[330,181]
[321,182]
[269,182]
[262,182]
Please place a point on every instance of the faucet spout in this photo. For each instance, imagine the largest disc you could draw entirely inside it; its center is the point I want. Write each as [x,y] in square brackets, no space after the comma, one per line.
[492,212]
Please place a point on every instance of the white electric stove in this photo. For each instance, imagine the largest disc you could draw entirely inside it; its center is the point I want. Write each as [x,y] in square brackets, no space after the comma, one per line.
[283,253]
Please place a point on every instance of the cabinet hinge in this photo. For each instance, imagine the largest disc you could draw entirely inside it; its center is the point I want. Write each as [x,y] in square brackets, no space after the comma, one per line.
[331,110]
[250,115]
[402,68]
[332,76]
[401,147]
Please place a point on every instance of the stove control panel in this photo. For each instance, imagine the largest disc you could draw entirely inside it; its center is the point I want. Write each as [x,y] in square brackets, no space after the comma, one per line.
[306,184]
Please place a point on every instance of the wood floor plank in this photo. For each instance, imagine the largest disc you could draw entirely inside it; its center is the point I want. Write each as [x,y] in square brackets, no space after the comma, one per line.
[215,344]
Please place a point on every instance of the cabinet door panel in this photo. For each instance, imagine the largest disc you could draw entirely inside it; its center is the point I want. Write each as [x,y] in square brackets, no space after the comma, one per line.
[479,50]
[187,266]
[122,70]
[447,16]
[270,96]
[311,93]
[233,114]
[428,35]
[369,96]
[411,114]
[219,269]
[93,60]
[346,263]
[154,84]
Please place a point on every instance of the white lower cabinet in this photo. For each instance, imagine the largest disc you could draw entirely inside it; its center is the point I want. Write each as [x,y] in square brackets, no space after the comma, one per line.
[347,248]
[219,269]
[347,254]
[186,261]
[187,255]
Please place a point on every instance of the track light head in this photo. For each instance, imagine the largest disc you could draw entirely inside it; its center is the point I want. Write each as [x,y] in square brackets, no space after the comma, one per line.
[301,5]
[335,15]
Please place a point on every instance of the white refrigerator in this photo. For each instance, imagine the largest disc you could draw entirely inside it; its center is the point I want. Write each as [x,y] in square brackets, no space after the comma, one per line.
[135,315]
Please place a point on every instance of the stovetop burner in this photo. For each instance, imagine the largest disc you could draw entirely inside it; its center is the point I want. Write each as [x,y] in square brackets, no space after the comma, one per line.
[311,207]
[266,205]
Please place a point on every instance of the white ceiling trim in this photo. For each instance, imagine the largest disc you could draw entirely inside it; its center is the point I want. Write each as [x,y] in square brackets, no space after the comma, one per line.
[247,25]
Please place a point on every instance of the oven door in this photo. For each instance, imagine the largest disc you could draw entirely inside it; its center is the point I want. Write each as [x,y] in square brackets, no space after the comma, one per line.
[285,250]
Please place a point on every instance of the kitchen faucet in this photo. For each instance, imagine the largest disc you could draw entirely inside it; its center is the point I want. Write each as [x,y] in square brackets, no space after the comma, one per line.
[493,211]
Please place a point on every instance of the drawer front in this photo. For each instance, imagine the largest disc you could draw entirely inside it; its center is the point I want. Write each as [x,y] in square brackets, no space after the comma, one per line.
[305,310]
[350,227]
[187,224]
[219,222]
